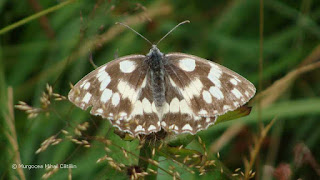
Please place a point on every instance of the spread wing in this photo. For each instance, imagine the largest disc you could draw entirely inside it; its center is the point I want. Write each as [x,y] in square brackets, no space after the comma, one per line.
[119,91]
[199,90]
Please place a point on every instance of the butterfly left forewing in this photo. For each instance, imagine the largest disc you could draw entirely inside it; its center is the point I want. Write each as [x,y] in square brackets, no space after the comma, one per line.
[93,89]
[118,91]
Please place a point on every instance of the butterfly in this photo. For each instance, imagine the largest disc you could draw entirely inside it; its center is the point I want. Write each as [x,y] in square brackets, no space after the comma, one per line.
[176,92]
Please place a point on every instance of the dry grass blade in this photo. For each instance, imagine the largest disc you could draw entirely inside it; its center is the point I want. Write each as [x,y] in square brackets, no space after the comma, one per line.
[154,11]
[12,135]
[225,137]
[31,111]
[49,141]
[278,88]
[50,172]
[255,151]
[312,57]
[70,174]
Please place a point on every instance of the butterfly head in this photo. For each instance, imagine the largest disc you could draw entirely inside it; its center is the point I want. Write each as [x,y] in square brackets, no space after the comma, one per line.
[155,52]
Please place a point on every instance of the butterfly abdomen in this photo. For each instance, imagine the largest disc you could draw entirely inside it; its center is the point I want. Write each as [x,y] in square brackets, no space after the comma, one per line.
[157,76]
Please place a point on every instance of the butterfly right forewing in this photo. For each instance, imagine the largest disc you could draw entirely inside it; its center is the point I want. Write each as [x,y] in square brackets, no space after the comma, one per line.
[198,91]
[209,88]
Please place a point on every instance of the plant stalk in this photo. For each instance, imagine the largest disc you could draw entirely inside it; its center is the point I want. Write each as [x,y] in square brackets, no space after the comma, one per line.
[34,16]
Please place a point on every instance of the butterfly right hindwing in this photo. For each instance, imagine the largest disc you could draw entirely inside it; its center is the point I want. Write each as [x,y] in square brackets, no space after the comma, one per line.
[179,116]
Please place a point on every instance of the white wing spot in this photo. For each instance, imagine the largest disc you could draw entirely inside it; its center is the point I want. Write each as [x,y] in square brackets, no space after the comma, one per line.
[143,85]
[82,105]
[151,128]
[106,95]
[160,111]
[127,91]
[173,126]
[193,89]
[83,83]
[246,93]
[187,64]
[187,127]
[86,86]
[147,107]
[215,74]
[216,92]
[100,111]
[139,129]
[137,108]
[207,119]
[115,99]
[154,109]
[236,78]
[207,97]
[236,92]
[163,124]
[172,82]
[234,81]
[105,82]
[184,107]
[174,105]
[102,75]
[123,114]
[165,108]
[203,112]
[87,97]
[236,103]
[102,68]
[226,107]
[127,66]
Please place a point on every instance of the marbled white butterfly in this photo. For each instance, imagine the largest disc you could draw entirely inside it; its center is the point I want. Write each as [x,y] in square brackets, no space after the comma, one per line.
[142,94]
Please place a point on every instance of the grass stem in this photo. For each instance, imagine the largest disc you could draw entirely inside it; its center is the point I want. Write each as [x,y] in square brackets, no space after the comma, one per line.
[34,16]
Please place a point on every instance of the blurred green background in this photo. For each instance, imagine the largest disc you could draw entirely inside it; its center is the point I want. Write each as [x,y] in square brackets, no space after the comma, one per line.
[56,48]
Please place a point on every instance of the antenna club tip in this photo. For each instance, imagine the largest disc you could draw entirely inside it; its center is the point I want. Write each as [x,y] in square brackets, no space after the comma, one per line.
[183,22]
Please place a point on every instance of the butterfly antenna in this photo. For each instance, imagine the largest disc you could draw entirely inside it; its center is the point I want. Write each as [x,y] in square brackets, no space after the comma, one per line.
[186,21]
[134,31]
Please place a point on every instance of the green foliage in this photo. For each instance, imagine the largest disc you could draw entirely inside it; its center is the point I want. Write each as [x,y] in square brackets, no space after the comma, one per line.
[54,47]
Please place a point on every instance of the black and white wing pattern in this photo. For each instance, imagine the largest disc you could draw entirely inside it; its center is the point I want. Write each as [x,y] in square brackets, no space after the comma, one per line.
[119,91]
[198,91]
[178,92]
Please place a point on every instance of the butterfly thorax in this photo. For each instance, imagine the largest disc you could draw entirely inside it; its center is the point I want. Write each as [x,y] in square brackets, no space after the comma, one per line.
[156,66]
